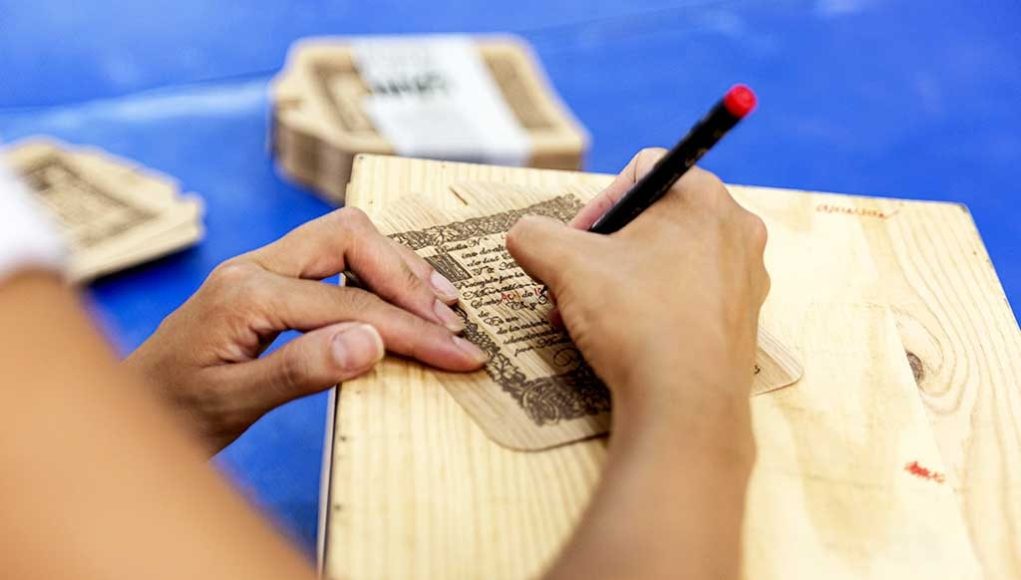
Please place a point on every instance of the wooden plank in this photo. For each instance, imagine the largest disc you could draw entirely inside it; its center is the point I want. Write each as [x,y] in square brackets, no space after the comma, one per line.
[965,349]
[829,496]
[418,490]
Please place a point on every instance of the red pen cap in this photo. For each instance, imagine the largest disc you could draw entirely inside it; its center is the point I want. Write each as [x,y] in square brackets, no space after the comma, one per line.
[739,100]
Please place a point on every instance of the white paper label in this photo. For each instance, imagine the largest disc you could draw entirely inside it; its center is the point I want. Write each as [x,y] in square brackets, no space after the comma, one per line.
[29,237]
[433,97]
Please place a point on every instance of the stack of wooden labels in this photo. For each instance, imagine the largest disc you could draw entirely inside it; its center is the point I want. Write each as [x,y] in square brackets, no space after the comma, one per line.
[114,213]
[482,99]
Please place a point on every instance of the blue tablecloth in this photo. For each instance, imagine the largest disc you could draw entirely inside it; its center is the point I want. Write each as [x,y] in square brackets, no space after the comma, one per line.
[885,97]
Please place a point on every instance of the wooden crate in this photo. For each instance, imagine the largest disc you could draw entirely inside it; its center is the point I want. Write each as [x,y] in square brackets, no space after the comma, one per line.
[897,455]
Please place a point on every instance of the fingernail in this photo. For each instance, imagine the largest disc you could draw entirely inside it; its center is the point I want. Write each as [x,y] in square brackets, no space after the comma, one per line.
[474,352]
[443,287]
[358,347]
[447,317]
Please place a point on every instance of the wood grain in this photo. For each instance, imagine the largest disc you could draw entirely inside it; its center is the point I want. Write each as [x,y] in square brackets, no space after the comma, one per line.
[852,480]
[965,349]
[417,489]
[540,415]
[830,496]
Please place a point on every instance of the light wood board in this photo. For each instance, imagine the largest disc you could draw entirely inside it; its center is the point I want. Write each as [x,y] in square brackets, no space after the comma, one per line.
[536,391]
[858,475]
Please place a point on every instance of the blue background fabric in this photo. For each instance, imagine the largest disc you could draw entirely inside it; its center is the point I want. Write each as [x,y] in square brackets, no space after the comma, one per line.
[883,97]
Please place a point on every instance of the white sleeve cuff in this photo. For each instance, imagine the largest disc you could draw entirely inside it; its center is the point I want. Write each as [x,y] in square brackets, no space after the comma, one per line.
[29,239]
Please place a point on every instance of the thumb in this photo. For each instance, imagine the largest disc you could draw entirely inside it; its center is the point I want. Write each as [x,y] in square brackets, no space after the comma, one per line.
[315,361]
[543,246]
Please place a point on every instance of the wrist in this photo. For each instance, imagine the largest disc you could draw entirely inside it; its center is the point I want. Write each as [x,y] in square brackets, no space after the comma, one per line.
[706,414]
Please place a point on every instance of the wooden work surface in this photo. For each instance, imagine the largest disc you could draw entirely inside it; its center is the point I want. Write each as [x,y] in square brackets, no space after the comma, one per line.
[898,454]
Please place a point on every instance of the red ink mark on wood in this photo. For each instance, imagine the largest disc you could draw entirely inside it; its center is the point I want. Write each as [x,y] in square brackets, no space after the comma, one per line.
[924,472]
[855,211]
[520,295]
[512,296]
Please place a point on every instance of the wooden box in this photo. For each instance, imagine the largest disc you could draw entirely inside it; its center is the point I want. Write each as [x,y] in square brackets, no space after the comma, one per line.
[897,455]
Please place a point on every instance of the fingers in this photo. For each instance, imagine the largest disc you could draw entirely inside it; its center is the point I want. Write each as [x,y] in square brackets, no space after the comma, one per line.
[444,289]
[347,240]
[310,363]
[384,270]
[313,250]
[640,164]
[544,248]
[306,305]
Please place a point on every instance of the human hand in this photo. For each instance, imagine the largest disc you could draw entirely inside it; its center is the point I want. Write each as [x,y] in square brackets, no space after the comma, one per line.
[666,309]
[205,357]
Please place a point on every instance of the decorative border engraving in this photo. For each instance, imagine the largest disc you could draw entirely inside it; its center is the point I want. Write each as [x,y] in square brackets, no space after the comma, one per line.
[546,400]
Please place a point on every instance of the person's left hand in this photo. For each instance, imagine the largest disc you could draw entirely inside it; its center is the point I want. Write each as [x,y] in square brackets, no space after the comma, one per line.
[204,357]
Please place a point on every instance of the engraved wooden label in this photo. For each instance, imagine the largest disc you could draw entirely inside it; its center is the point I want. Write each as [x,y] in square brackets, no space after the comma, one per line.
[113,213]
[505,314]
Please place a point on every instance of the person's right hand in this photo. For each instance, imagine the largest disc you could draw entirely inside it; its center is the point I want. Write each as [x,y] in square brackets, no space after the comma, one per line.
[666,309]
